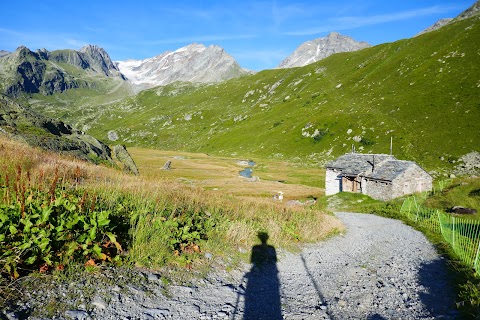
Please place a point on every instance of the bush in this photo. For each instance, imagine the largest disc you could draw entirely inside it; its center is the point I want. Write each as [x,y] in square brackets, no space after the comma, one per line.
[43,229]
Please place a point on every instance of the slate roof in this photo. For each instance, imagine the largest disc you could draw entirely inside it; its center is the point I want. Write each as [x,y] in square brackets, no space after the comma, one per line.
[387,167]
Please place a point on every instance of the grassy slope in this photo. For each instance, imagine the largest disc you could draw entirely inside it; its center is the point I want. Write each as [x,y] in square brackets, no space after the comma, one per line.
[424,92]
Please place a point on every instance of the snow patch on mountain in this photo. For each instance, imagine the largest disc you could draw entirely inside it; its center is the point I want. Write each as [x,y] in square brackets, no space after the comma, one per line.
[318,49]
[193,63]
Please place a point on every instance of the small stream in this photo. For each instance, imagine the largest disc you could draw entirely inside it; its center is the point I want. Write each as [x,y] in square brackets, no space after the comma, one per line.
[247,172]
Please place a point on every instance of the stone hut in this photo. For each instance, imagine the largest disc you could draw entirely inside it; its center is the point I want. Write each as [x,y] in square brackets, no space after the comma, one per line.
[380,176]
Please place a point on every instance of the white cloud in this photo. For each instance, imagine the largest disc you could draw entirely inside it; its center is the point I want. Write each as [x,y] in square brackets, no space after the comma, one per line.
[353,22]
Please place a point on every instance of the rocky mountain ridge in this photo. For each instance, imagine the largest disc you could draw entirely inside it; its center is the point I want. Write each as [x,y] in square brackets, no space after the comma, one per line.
[437,25]
[470,12]
[46,72]
[192,63]
[474,10]
[318,49]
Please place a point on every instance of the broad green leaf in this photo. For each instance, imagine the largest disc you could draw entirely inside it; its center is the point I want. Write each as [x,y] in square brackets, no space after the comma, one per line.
[71,247]
[27,226]
[12,229]
[26,245]
[113,239]
[43,244]
[45,214]
[97,250]
[31,260]
[92,233]
[103,218]
[3,217]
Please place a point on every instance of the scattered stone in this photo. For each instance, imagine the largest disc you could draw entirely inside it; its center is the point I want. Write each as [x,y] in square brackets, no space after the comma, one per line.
[167,165]
[253,179]
[112,135]
[10,315]
[153,277]
[157,312]
[77,314]
[99,303]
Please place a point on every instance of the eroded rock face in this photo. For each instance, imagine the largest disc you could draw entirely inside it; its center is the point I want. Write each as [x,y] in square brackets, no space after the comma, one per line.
[318,49]
[21,123]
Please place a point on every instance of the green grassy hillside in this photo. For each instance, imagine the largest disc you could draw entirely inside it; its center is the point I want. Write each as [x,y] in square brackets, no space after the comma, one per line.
[424,92]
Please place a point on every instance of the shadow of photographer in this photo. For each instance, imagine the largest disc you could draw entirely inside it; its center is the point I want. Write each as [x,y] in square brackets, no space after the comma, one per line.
[262,293]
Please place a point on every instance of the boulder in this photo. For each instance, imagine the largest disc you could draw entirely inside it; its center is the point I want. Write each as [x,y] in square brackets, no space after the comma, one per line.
[122,155]
[167,165]
[462,210]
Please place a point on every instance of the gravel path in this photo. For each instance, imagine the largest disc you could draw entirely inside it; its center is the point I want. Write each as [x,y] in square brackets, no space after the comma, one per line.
[378,269]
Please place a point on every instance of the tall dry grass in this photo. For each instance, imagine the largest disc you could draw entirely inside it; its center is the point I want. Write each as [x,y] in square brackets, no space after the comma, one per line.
[228,222]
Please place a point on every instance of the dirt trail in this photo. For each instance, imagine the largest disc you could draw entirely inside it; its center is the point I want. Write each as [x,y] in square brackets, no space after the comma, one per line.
[377,269]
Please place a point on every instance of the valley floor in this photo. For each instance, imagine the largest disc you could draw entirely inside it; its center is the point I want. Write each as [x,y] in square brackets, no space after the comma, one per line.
[378,269]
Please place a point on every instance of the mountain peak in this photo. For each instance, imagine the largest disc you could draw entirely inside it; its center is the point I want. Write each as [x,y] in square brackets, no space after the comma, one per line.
[474,10]
[318,49]
[39,72]
[92,48]
[192,63]
[99,60]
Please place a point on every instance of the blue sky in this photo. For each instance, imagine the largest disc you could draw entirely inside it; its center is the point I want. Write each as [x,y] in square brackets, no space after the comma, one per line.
[258,34]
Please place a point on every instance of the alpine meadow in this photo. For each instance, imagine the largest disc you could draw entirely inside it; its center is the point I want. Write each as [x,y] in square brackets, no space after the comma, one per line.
[185,186]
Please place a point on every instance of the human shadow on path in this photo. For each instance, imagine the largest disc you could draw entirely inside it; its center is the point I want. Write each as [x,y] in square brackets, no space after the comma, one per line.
[262,293]
[439,298]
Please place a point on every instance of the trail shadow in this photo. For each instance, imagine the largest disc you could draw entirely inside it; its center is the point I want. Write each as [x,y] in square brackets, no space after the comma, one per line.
[262,294]
[439,298]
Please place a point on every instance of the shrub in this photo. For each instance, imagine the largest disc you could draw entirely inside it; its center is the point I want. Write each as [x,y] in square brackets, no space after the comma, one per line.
[44,228]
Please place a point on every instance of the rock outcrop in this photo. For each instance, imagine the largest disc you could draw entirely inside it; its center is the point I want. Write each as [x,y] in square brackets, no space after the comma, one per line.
[26,71]
[469,164]
[318,49]
[474,10]
[21,123]
[193,63]
[99,60]
[122,155]
[437,25]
